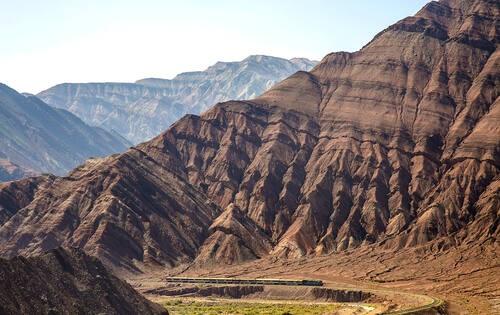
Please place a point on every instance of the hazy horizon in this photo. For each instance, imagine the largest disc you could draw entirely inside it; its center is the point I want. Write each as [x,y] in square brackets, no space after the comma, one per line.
[122,41]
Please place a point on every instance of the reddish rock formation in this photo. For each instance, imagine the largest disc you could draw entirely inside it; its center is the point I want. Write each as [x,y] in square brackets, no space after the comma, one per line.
[397,143]
[123,209]
[234,237]
[19,194]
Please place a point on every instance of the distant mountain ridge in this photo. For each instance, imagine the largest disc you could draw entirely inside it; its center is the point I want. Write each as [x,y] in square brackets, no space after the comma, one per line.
[11,171]
[37,138]
[385,159]
[141,110]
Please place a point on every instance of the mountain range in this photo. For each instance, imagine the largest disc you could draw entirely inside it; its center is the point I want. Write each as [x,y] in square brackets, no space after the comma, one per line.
[396,143]
[141,110]
[37,138]
[390,148]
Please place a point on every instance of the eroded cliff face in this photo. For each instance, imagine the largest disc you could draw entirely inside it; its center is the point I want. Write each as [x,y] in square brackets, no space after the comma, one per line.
[124,209]
[396,144]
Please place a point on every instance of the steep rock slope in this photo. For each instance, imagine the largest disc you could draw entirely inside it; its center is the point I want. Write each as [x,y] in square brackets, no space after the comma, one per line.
[395,144]
[141,110]
[18,194]
[125,209]
[35,137]
[66,281]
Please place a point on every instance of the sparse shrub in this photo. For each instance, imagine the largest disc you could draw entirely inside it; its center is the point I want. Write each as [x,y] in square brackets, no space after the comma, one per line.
[177,302]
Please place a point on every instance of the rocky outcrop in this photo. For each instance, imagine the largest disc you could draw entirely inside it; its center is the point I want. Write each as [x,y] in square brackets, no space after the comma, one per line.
[141,110]
[66,281]
[396,144]
[332,295]
[271,292]
[19,194]
[233,291]
[234,238]
[36,138]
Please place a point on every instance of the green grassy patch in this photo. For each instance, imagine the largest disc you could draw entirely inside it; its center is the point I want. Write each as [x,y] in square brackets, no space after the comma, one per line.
[239,307]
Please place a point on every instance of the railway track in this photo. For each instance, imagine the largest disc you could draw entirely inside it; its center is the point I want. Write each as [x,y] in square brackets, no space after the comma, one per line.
[431,302]
[315,283]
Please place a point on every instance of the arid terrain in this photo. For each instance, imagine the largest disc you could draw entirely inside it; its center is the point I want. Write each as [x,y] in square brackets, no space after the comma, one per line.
[377,170]
[466,279]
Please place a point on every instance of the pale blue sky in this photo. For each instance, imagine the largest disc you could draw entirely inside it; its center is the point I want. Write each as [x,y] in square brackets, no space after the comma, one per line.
[48,42]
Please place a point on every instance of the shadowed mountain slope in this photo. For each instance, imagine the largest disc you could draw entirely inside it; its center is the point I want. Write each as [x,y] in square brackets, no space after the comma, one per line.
[66,281]
[37,138]
[125,209]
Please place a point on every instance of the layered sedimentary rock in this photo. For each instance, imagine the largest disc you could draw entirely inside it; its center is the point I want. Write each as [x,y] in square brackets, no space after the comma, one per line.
[67,281]
[395,144]
[141,110]
[124,209]
[18,194]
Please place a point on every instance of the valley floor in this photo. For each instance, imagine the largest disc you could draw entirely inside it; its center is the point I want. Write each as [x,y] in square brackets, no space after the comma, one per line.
[209,306]
[465,278]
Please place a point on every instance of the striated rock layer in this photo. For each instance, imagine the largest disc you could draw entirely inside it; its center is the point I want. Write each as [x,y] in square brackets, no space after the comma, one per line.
[397,143]
[67,281]
[123,209]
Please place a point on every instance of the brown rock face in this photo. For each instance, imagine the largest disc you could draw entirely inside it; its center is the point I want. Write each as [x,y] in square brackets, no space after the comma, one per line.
[19,194]
[66,281]
[267,292]
[234,237]
[122,209]
[397,143]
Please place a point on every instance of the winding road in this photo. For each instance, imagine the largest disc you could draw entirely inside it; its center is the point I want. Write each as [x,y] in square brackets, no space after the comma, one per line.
[431,302]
